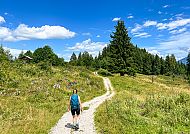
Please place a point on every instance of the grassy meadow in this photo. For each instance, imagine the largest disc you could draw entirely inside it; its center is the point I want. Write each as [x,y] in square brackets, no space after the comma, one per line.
[28,102]
[143,107]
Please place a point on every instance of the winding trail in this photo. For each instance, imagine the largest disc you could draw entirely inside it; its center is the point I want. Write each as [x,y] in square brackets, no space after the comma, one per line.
[86,122]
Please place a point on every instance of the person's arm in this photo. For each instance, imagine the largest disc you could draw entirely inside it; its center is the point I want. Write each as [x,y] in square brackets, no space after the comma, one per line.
[69,104]
[80,104]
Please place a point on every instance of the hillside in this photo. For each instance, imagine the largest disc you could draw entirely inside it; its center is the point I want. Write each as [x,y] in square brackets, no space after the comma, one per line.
[29,103]
[141,106]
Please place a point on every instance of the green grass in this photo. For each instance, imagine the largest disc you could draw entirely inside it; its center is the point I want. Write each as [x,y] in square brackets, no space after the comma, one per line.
[29,103]
[143,107]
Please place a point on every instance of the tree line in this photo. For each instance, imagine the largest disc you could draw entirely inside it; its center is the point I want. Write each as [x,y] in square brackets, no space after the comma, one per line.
[44,54]
[121,56]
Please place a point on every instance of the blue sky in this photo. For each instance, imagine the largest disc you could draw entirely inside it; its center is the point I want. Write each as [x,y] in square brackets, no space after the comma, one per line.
[160,26]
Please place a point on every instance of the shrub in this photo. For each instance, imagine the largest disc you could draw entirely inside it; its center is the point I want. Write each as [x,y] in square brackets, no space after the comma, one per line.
[104,72]
[129,71]
[45,66]
[84,74]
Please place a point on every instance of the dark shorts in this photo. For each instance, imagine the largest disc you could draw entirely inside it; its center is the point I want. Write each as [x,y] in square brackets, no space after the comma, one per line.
[75,111]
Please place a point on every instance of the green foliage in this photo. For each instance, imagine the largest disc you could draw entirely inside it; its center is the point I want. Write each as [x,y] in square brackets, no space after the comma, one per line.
[46,54]
[104,72]
[5,54]
[139,106]
[188,64]
[73,60]
[45,66]
[30,104]
[119,51]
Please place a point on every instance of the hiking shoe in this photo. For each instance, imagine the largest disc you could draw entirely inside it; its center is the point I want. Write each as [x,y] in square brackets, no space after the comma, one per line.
[77,125]
[74,126]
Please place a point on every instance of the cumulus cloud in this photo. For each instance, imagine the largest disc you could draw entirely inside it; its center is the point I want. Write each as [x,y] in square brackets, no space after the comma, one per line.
[136,29]
[14,52]
[116,19]
[2,20]
[178,31]
[154,52]
[98,36]
[90,46]
[24,32]
[130,17]
[142,35]
[176,44]
[150,23]
[173,24]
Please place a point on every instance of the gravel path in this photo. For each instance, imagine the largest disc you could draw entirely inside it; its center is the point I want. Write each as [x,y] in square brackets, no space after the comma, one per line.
[86,122]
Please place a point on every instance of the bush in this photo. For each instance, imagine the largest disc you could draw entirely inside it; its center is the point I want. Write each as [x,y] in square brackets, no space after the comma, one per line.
[104,72]
[45,66]
[2,76]
[129,71]
[84,74]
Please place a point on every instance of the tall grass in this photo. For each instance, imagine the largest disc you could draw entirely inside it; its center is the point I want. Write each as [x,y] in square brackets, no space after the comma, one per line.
[28,101]
[143,107]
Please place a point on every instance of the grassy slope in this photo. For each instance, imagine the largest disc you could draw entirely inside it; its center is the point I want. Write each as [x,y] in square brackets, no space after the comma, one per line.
[28,101]
[142,107]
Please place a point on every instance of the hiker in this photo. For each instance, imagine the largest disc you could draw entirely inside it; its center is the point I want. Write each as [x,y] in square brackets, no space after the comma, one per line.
[75,106]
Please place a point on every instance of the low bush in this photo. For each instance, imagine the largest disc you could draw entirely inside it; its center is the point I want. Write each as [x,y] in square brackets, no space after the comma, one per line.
[104,72]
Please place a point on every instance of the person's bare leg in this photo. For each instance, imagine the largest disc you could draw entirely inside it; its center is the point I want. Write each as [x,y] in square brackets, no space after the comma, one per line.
[73,120]
[77,122]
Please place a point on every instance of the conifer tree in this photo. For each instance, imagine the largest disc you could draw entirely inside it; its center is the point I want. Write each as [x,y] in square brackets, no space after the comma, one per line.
[73,60]
[120,50]
[188,64]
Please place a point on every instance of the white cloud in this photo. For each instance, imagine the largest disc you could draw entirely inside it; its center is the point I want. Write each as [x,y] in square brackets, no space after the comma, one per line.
[2,20]
[4,32]
[154,52]
[116,19]
[176,44]
[178,31]
[150,23]
[173,24]
[164,19]
[130,17]
[88,45]
[165,6]
[5,13]
[142,35]
[136,29]
[159,12]
[14,52]
[98,36]
[23,32]
[86,34]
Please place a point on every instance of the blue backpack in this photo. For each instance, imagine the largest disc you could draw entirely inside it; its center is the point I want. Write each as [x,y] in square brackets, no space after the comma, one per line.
[74,101]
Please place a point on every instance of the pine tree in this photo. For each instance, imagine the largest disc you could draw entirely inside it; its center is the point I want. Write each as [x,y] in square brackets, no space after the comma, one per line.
[162,66]
[188,64]
[156,65]
[29,53]
[167,65]
[120,50]
[73,59]
[79,61]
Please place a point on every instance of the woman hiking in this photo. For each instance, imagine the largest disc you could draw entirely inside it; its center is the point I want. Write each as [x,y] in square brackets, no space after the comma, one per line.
[75,106]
